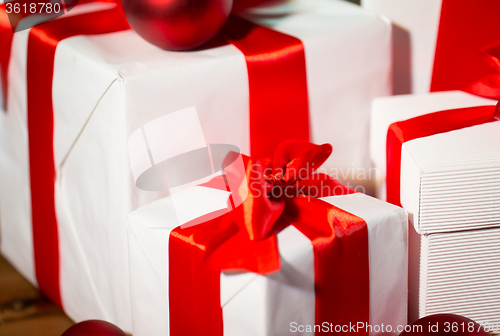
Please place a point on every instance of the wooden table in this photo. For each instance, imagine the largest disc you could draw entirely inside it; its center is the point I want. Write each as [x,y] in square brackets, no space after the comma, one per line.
[23,310]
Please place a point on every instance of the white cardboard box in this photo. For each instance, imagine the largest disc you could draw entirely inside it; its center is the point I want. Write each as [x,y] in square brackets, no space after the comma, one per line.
[248,298]
[450,186]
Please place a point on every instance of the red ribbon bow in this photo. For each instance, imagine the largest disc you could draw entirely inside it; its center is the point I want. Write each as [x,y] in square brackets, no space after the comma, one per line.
[280,192]
[277,191]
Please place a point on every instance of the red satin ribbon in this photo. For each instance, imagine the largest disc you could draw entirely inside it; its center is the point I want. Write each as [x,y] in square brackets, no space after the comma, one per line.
[276,66]
[42,44]
[427,125]
[245,239]
[466,28]
[6,36]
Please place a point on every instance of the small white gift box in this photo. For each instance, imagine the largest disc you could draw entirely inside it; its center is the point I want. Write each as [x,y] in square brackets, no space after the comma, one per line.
[278,303]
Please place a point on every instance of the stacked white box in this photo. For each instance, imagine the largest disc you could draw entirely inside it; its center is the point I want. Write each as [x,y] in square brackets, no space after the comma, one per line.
[450,186]
[250,301]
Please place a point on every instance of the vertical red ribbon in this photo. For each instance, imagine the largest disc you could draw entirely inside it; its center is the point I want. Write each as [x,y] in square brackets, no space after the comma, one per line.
[341,265]
[194,287]
[465,29]
[423,126]
[42,44]
[276,65]
[6,36]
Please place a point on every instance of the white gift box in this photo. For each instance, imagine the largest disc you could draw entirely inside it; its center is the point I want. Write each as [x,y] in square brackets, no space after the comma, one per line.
[107,86]
[415,34]
[388,110]
[247,298]
[450,186]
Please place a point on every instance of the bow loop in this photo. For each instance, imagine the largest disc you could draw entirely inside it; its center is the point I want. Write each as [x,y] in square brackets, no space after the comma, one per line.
[296,159]
[258,213]
[492,53]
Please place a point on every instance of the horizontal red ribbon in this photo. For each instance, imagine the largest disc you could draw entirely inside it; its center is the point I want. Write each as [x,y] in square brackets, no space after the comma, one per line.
[245,239]
[423,126]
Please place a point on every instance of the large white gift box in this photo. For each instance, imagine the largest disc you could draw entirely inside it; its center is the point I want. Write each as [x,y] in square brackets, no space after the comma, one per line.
[388,110]
[450,186]
[107,86]
[278,303]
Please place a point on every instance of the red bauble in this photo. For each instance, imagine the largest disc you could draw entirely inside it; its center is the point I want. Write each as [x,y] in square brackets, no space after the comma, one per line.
[445,324]
[177,24]
[94,328]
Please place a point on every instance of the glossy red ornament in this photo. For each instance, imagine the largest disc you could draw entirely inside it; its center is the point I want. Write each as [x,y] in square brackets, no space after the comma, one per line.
[444,324]
[177,24]
[94,328]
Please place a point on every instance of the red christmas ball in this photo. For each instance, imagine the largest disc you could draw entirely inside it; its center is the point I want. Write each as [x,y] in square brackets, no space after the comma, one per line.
[95,328]
[444,324]
[177,24]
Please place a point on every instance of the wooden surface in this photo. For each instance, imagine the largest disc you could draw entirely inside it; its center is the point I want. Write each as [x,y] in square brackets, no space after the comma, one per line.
[23,310]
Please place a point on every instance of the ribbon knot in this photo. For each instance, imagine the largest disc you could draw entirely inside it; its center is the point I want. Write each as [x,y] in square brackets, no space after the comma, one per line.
[275,180]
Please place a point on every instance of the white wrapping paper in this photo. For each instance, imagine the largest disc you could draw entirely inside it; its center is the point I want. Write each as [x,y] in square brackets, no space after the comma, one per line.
[107,86]
[267,305]
[415,33]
